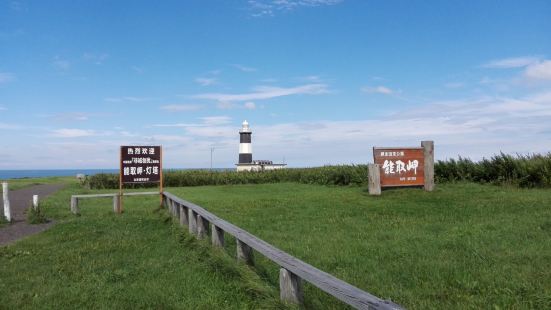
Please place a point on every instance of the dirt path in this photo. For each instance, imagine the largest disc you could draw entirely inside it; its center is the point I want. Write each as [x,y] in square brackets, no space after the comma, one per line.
[20,200]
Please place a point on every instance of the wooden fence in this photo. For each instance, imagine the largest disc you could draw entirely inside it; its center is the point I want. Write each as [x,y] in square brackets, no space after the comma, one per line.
[292,270]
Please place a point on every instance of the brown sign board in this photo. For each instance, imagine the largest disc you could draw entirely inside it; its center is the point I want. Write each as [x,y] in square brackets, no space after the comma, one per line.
[140,164]
[400,166]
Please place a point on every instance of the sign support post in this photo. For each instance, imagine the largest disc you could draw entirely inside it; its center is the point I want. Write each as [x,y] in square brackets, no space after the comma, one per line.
[161,176]
[119,204]
[428,153]
[139,165]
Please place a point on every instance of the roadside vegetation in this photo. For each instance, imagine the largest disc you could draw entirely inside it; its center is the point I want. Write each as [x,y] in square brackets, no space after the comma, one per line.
[528,171]
[464,246]
[138,259]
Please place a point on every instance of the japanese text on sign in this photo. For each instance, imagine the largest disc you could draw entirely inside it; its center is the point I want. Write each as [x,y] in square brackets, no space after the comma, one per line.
[140,164]
[400,166]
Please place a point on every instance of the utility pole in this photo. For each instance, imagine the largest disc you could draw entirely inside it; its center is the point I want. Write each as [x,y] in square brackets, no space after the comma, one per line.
[211,152]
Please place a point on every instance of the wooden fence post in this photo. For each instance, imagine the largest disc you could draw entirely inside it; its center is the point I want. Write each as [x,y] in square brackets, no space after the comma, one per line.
[74,205]
[374,179]
[217,235]
[202,227]
[244,253]
[290,287]
[428,151]
[117,203]
[192,222]
[35,202]
[184,221]
[6,198]
[176,208]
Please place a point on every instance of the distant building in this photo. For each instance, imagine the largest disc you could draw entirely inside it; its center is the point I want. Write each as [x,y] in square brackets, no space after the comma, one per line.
[246,162]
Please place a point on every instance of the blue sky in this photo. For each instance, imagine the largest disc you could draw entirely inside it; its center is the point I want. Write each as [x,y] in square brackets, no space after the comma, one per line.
[320,81]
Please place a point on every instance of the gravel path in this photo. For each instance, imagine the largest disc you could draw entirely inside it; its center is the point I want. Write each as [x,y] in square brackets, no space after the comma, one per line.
[20,200]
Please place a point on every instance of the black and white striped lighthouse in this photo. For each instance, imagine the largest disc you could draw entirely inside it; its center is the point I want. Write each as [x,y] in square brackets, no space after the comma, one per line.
[245,149]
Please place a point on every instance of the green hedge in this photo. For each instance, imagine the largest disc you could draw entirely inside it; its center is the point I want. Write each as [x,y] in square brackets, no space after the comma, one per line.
[327,175]
[520,170]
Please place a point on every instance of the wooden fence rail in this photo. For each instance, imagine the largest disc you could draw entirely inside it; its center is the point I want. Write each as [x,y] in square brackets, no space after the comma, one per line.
[75,198]
[292,271]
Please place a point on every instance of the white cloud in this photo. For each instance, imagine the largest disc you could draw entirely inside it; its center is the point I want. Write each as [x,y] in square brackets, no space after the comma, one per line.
[515,62]
[249,105]
[61,64]
[97,59]
[265,92]
[378,90]
[73,133]
[224,105]
[76,116]
[539,71]
[137,69]
[244,68]
[260,8]
[181,107]
[216,120]
[128,99]
[454,85]
[6,77]
[9,126]
[206,81]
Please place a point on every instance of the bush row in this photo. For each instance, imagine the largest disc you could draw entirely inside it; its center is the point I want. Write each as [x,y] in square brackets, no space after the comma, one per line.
[520,170]
[327,175]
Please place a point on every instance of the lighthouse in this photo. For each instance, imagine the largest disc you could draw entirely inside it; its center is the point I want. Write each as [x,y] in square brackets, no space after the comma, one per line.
[245,150]
[246,162]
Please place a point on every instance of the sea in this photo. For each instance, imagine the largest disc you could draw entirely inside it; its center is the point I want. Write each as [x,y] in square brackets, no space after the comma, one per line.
[21,174]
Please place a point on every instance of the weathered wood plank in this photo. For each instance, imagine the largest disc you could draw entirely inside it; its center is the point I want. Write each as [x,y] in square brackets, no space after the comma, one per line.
[184,221]
[6,200]
[290,287]
[74,205]
[202,227]
[140,193]
[245,253]
[428,151]
[217,236]
[192,216]
[324,281]
[111,195]
[94,196]
[117,204]
[374,179]
[35,202]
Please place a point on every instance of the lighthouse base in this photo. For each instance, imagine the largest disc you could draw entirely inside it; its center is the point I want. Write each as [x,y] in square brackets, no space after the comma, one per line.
[259,167]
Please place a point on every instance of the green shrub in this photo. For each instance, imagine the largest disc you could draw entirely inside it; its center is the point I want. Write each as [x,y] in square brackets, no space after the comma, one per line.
[520,170]
[327,175]
[35,216]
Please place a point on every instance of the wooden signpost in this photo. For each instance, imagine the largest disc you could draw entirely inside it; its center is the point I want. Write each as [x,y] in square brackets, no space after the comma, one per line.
[139,164]
[402,167]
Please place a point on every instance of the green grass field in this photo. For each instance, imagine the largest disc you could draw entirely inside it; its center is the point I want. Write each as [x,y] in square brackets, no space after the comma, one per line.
[462,246]
[101,260]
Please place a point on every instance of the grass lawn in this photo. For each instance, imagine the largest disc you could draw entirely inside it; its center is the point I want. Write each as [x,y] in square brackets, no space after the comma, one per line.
[139,259]
[15,184]
[462,246]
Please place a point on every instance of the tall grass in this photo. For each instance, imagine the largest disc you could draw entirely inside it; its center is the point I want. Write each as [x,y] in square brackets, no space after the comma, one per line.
[520,170]
[327,175]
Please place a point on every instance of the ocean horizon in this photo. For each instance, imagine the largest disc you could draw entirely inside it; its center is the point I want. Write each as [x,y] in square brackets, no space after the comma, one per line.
[43,173]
